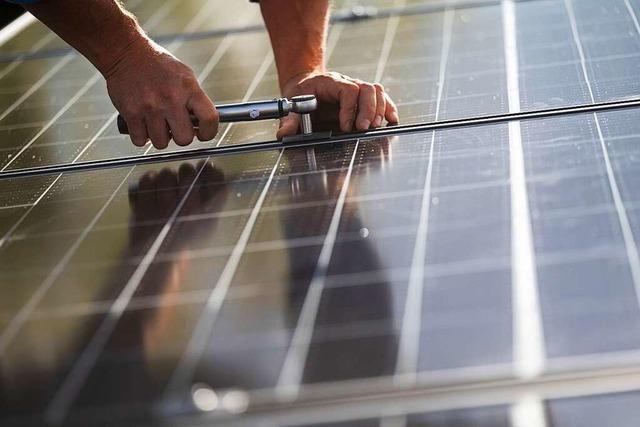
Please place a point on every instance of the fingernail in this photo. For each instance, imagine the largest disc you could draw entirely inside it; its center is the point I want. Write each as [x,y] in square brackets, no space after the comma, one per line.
[377,122]
[365,124]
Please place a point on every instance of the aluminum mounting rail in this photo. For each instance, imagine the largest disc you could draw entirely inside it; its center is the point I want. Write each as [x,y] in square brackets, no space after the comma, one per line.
[385,132]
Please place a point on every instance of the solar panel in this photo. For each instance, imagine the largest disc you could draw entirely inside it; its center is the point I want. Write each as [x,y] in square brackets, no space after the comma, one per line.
[463,275]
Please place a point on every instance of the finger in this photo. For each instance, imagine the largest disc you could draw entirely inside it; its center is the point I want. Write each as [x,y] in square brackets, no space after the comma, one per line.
[147,189]
[167,191]
[208,117]
[381,106]
[391,111]
[158,131]
[289,125]
[137,131]
[181,126]
[207,180]
[366,106]
[346,93]
[186,174]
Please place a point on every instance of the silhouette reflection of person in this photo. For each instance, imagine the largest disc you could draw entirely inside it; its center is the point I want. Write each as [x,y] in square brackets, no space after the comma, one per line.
[151,334]
[133,365]
[353,335]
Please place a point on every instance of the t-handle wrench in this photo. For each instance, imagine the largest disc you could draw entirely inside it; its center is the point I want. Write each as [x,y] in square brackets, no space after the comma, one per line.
[258,110]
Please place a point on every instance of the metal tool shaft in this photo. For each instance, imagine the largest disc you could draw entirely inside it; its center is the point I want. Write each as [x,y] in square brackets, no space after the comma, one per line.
[241,112]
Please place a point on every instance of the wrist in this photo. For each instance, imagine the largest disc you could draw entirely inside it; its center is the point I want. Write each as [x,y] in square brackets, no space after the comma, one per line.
[130,40]
[290,82]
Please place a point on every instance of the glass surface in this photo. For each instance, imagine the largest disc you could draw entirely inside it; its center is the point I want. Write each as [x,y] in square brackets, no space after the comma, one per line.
[347,270]
[620,409]
[55,108]
[272,270]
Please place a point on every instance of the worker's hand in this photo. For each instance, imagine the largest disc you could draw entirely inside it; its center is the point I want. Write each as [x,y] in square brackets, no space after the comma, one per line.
[155,93]
[350,103]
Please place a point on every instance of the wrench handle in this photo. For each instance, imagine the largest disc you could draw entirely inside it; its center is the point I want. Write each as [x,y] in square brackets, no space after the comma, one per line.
[241,112]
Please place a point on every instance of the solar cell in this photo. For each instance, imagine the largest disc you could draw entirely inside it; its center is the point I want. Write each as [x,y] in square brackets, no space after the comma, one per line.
[478,275]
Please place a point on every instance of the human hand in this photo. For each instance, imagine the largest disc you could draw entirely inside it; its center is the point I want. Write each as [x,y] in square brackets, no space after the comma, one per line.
[342,100]
[155,94]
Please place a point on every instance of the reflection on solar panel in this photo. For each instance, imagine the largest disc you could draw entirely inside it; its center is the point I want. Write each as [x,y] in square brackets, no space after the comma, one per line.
[475,275]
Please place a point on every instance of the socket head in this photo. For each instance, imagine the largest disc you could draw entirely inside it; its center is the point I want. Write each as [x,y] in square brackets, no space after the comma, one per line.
[304,104]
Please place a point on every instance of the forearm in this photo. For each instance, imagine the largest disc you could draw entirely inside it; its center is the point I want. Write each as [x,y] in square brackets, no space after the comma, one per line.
[99,29]
[297,29]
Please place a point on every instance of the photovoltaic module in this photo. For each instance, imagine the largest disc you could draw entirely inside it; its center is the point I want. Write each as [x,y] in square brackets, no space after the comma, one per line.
[481,275]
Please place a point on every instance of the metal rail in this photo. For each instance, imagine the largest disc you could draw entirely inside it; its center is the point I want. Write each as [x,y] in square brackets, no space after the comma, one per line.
[310,142]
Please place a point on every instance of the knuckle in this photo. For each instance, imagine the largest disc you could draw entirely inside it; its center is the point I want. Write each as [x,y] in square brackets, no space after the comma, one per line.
[327,79]
[331,75]
[352,88]
[149,104]
[379,87]
[132,112]
[368,87]
[172,96]
[188,79]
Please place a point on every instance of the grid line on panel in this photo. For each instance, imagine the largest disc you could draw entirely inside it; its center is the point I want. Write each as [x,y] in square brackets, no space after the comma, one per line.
[27,309]
[45,78]
[528,411]
[625,226]
[214,300]
[13,28]
[65,396]
[67,393]
[161,12]
[88,85]
[26,125]
[633,15]
[291,373]
[37,85]
[528,334]
[409,347]
[9,333]
[290,377]
[344,15]
[155,19]
[389,36]
[20,59]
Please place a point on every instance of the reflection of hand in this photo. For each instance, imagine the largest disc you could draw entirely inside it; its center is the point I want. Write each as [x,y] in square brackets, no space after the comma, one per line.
[376,152]
[155,93]
[321,184]
[158,194]
[153,201]
[344,101]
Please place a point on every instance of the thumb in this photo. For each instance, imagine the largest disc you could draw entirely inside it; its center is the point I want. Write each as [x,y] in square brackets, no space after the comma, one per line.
[289,125]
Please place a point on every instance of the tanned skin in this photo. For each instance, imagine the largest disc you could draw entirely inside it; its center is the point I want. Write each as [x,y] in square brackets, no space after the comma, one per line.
[155,92]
